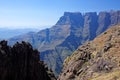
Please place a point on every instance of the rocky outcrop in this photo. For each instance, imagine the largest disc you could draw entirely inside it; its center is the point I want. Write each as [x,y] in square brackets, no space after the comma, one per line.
[22,62]
[71,30]
[95,60]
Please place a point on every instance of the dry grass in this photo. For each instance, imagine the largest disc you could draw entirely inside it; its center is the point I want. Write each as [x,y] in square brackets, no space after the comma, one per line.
[115,75]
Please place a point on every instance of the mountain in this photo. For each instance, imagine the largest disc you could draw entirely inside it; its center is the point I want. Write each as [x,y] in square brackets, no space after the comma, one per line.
[6,33]
[95,60]
[22,62]
[71,30]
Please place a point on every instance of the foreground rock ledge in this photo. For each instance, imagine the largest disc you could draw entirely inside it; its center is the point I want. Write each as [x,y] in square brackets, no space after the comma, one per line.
[22,62]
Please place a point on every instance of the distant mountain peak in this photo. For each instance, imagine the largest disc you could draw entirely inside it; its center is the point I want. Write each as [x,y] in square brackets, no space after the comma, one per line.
[71,13]
[91,13]
[70,18]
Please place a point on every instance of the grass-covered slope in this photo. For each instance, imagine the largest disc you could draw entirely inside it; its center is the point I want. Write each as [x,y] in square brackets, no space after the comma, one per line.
[95,60]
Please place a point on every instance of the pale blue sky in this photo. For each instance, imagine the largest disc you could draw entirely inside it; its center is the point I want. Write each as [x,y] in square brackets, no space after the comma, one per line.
[36,13]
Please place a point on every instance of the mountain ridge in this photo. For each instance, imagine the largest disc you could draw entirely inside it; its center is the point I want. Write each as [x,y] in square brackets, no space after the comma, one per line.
[71,30]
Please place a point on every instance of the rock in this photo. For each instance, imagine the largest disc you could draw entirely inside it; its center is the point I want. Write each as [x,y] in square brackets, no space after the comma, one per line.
[107,46]
[21,62]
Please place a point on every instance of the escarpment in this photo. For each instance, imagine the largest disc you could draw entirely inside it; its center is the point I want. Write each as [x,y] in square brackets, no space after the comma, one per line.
[71,30]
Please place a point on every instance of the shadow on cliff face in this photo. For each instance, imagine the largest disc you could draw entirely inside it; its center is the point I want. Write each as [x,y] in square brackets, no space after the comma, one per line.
[22,62]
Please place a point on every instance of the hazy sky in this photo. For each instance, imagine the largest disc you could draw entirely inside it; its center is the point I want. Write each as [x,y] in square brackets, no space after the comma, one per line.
[17,13]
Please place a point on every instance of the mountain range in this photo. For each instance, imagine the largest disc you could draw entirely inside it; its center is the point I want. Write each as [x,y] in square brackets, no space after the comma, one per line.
[95,60]
[72,30]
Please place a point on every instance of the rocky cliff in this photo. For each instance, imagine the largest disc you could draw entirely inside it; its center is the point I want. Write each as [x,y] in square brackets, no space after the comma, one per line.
[95,60]
[71,30]
[22,62]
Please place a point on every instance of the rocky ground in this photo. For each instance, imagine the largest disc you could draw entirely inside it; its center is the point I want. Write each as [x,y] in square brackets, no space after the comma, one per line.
[95,60]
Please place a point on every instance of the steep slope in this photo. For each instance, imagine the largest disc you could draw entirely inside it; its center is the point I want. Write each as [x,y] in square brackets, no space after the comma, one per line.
[95,60]
[71,30]
[21,62]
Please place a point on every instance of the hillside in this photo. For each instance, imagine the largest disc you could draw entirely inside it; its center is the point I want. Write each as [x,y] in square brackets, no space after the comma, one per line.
[95,60]
[22,62]
[71,30]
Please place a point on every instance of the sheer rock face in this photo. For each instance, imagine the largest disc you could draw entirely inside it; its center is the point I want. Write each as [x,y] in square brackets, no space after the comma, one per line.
[103,22]
[21,62]
[95,60]
[90,26]
[71,30]
[115,17]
